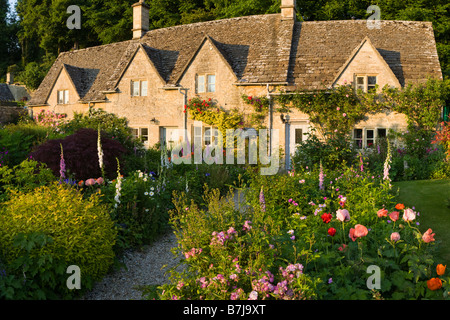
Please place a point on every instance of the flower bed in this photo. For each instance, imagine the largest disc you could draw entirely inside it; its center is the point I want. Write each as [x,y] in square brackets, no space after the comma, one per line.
[305,235]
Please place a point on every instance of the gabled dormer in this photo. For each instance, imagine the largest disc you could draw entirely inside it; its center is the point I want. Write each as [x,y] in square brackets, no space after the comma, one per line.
[208,71]
[64,91]
[365,69]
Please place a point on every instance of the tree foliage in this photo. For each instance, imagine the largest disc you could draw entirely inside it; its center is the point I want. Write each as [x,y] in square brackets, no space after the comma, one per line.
[40,32]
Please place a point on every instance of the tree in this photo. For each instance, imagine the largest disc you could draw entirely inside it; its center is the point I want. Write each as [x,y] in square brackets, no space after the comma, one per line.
[9,49]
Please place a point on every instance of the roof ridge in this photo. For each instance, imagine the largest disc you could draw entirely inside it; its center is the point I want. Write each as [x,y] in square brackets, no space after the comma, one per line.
[210,22]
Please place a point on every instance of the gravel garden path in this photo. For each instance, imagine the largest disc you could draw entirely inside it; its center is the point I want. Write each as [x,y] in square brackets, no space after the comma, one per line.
[147,266]
[144,267]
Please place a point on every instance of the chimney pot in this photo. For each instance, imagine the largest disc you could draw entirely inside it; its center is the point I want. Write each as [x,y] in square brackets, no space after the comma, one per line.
[10,78]
[140,19]
[288,11]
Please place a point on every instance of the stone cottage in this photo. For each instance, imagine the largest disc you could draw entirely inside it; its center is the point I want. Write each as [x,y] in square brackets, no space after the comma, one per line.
[149,78]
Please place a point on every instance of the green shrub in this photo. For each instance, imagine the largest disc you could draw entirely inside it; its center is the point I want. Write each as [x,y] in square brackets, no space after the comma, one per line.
[24,177]
[332,152]
[19,139]
[114,127]
[77,232]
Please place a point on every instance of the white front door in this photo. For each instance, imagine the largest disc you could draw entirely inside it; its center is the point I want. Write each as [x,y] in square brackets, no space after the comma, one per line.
[169,136]
[297,134]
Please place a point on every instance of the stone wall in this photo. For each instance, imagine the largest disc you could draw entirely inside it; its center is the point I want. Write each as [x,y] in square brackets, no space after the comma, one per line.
[10,113]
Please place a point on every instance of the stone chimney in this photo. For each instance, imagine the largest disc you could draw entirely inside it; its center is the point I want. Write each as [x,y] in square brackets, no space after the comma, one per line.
[288,9]
[140,19]
[10,78]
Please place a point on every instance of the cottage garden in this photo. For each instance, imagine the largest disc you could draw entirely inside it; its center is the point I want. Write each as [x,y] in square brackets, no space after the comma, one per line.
[80,192]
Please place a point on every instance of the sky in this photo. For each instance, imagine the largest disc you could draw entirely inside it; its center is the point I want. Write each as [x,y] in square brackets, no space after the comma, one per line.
[12,4]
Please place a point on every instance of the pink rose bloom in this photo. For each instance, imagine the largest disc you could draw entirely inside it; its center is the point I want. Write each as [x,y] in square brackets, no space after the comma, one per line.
[428,236]
[382,213]
[358,232]
[394,215]
[409,214]
[100,180]
[89,182]
[342,215]
[395,236]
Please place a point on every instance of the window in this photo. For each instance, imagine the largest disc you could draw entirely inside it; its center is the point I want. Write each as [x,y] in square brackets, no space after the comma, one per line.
[206,83]
[367,137]
[371,83]
[200,84]
[358,137]
[139,88]
[365,83]
[143,133]
[298,136]
[140,133]
[381,133]
[63,96]
[360,83]
[370,137]
[211,83]
[135,133]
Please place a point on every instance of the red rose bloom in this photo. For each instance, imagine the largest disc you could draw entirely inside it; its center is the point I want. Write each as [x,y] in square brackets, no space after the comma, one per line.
[326,217]
[332,232]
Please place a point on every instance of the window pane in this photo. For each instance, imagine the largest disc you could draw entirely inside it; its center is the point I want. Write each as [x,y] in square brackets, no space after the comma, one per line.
[369,134]
[211,83]
[207,136]
[135,133]
[201,84]
[357,136]
[135,86]
[381,133]
[371,80]
[66,96]
[144,88]
[144,134]
[360,80]
[298,136]
[60,97]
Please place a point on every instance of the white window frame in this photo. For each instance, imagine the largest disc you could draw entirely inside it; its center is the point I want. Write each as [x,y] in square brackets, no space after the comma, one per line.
[65,96]
[138,134]
[365,137]
[142,88]
[205,83]
[207,134]
[365,84]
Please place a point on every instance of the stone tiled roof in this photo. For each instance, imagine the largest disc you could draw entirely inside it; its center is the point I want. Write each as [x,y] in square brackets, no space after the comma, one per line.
[322,47]
[259,49]
[5,93]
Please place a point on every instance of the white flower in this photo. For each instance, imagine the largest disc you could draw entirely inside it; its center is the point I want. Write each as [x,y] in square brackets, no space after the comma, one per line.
[146,193]
[151,194]
[253,295]
[152,188]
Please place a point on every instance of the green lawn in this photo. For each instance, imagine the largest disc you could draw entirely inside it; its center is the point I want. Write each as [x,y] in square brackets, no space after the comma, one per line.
[432,199]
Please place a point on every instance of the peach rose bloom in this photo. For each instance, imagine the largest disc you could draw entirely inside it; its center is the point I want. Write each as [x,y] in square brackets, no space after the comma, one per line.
[394,215]
[409,215]
[342,215]
[428,236]
[89,182]
[382,213]
[358,232]
[395,236]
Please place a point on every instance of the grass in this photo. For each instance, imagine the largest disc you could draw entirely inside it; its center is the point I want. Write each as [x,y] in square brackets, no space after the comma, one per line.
[432,199]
